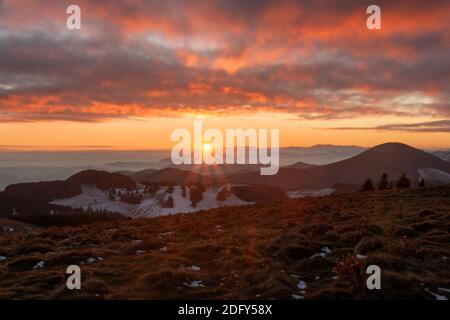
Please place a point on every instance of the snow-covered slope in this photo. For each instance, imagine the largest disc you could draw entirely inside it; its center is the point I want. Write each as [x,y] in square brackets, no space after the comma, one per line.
[430,174]
[151,208]
[97,200]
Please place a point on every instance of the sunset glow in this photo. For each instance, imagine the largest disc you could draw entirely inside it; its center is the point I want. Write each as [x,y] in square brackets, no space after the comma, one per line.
[204,152]
[134,73]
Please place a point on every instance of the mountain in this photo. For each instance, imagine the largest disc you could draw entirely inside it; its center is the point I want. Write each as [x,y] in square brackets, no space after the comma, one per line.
[218,169]
[301,165]
[101,179]
[176,176]
[43,191]
[142,175]
[33,166]
[247,185]
[392,158]
[34,197]
[127,173]
[317,154]
[20,174]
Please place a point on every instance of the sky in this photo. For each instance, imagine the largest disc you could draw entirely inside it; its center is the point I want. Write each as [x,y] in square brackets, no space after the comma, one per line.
[137,70]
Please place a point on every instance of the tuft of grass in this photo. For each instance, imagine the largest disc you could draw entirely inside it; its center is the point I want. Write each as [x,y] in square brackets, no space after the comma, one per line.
[351,269]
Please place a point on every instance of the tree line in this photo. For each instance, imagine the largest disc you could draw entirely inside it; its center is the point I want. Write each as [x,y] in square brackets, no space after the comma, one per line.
[403,182]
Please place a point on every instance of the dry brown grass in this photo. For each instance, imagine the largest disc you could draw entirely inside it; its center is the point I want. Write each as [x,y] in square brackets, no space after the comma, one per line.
[251,252]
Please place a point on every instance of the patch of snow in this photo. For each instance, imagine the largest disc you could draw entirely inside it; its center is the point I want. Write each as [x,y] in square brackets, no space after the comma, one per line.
[310,193]
[151,207]
[140,251]
[444,290]
[360,257]
[137,241]
[302,285]
[166,234]
[91,260]
[39,265]
[193,268]
[195,284]
[297,297]
[321,254]
[163,249]
[436,296]
[95,199]
[2,258]
[325,251]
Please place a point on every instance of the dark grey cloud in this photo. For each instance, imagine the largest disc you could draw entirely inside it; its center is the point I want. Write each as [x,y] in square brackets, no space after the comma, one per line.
[431,126]
[292,56]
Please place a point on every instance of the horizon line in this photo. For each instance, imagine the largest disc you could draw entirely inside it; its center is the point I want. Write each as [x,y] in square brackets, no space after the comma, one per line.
[122,148]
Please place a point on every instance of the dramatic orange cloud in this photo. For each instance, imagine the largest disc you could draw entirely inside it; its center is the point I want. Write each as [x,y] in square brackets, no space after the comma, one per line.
[309,60]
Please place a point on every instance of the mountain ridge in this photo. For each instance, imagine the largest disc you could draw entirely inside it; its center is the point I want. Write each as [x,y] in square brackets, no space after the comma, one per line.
[393,158]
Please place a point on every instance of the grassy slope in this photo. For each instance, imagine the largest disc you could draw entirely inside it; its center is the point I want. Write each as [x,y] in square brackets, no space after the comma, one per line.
[247,252]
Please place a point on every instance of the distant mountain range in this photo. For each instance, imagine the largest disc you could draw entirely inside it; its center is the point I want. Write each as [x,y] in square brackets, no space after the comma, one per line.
[245,182]
[391,158]
[38,166]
